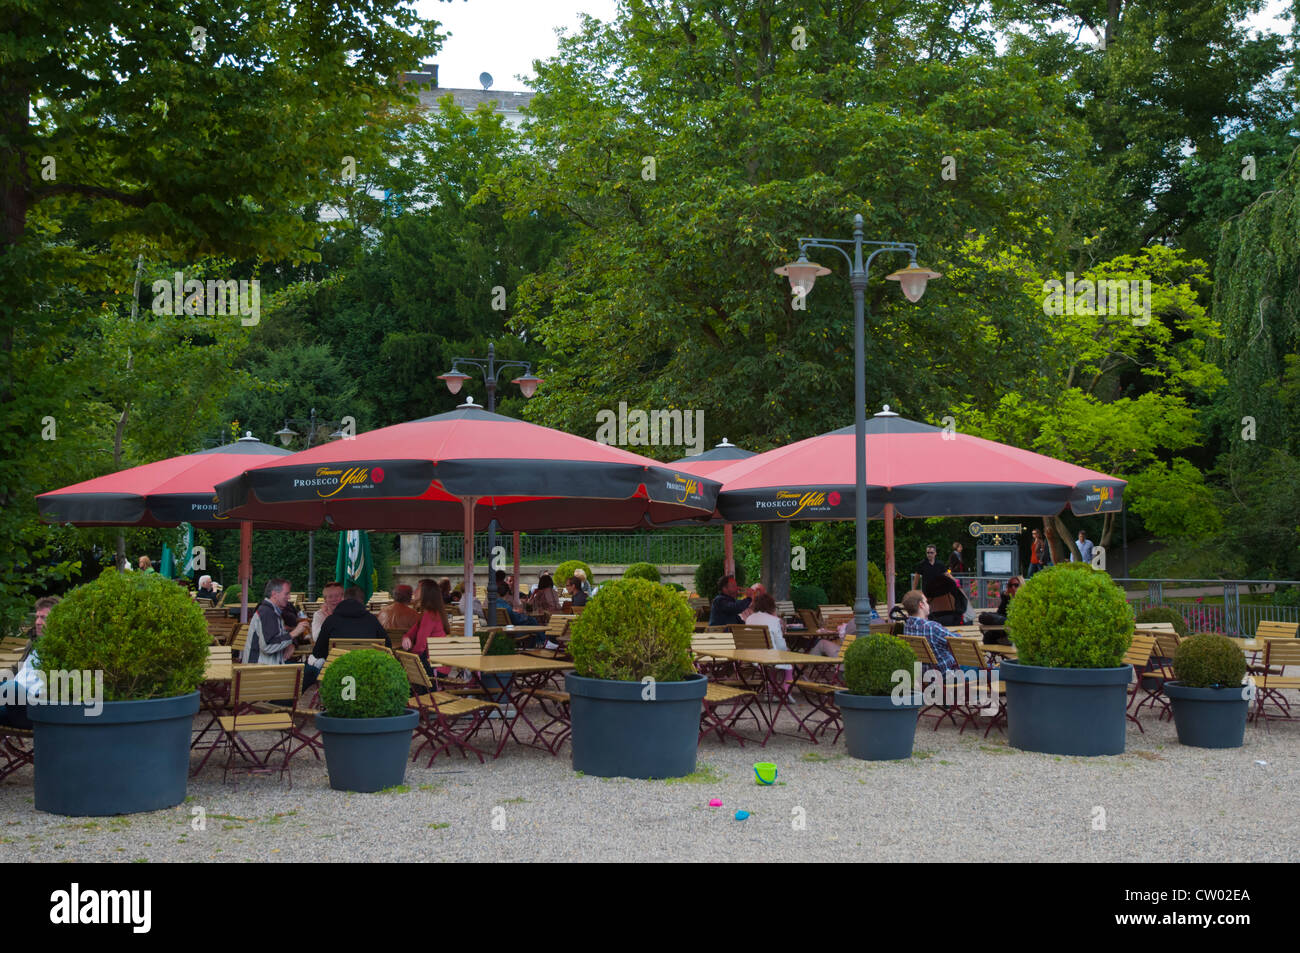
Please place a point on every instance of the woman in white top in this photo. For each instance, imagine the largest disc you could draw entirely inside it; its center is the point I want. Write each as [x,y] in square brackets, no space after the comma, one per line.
[764,613]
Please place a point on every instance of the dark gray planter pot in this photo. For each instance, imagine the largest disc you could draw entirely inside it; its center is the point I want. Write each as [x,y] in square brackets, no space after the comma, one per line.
[876,728]
[366,754]
[131,757]
[1209,717]
[1078,711]
[617,734]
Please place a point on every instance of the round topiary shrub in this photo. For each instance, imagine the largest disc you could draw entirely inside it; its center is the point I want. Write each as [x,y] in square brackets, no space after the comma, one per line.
[502,643]
[1065,619]
[636,628]
[675,586]
[1209,661]
[844,583]
[564,571]
[642,571]
[142,631]
[871,661]
[708,572]
[366,683]
[1164,614]
[808,597]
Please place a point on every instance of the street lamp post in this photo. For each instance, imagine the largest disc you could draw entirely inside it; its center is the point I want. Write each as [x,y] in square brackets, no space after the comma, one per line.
[912,280]
[490,369]
[287,435]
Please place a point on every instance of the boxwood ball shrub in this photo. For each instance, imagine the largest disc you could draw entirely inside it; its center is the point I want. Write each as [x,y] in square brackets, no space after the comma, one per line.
[871,661]
[844,583]
[1063,618]
[1164,614]
[708,572]
[808,597]
[642,571]
[502,644]
[675,586]
[564,571]
[636,628]
[1209,661]
[144,632]
[366,683]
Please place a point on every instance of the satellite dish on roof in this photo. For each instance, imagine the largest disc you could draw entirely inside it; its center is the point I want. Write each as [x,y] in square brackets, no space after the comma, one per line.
[485,79]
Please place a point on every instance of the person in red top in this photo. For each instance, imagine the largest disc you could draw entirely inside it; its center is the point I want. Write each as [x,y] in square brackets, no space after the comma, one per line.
[1037,554]
[432,624]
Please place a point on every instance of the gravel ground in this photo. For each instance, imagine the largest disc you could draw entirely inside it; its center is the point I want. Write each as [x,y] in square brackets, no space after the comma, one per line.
[959,797]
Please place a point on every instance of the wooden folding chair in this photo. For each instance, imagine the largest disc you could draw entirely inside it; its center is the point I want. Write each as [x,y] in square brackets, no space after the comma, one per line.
[751,636]
[967,652]
[446,720]
[557,631]
[1273,680]
[261,683]
[821,696]
[831,609]
[1139,656]
[925,655]
[239,640]
[810,620]
[352,645]
[724,704]
[457,645]
[222,630]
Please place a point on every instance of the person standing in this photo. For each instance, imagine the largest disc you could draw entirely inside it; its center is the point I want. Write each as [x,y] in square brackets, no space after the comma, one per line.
[956,560]
[1038,554]
[1085,548]
[928,572]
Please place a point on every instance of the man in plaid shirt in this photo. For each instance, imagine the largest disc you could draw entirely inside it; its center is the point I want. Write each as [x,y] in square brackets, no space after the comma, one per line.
[918,623]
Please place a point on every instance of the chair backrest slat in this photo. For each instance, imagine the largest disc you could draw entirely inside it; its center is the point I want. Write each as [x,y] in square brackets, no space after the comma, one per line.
[455,645]
[966,651]
[254,683]
[809,618]
[1281,652]
[1276,629]
[414,668]
[751,636]
[1139,651]
[921,646]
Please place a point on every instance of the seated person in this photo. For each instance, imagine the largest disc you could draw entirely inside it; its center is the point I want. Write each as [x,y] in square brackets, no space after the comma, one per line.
[1000,617]
[764,613]
[278,626]
[583,583]
[518,618]
[544,600]
[28,679]
[480,614]
[830,645]
[754,591]
[330,599]
[398,614]
[726,608]
[432,622]
[919,623]
[207,589]
[577,595]
[349,620]
[948,604]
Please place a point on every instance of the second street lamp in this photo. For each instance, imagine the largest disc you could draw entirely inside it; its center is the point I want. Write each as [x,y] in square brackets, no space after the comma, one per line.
[491,369]
[912,279]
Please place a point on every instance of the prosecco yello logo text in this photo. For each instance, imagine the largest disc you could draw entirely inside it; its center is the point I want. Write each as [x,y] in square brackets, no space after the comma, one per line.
[686,486]
[331,481]
[789,503]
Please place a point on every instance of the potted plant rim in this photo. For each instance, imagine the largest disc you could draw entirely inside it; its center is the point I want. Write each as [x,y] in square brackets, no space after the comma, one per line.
[1209,700]
[635,698]
[879,704]
[366,726]
[122,658]
[1067,688]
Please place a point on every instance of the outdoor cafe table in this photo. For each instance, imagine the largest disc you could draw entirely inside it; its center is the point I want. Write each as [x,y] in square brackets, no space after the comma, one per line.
[781,689]
[526,674]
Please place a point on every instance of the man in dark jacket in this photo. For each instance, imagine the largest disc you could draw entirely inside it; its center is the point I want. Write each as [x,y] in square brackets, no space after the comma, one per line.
[349,620]
[726,608]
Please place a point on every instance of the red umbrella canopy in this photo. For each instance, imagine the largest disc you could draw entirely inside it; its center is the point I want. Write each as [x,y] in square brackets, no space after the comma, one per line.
[163,493]
[922,470]
[417,475]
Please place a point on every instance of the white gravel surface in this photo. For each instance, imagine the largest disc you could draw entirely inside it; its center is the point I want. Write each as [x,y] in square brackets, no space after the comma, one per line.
[960,797]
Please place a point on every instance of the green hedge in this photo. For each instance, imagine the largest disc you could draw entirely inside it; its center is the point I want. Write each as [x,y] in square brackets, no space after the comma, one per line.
[844,583]
[633,629]
[1065,618]
[565,570]
[1164,614]
[365,683]
[708,572]
[1209,661]
[142,631]
[642,571]
[871,661]
[808,597]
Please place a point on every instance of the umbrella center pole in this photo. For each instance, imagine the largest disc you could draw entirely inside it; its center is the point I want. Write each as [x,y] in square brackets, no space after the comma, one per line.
[469,502]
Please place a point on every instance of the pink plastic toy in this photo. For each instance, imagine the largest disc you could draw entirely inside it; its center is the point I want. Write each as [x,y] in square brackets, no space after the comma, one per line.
[716,802]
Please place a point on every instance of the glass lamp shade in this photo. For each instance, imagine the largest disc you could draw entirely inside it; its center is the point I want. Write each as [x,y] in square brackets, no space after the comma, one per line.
[802,274]
[912,280]
[528,384]
[286,436]
[453,379]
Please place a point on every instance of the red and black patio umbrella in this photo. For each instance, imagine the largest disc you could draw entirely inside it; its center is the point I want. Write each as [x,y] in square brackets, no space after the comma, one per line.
[913,469]
[462,469]
[167,493]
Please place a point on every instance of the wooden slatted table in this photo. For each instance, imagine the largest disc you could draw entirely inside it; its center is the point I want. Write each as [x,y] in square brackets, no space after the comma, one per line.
[527,673]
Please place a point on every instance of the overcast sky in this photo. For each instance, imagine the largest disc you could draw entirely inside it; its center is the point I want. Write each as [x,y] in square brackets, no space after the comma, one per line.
[503,37]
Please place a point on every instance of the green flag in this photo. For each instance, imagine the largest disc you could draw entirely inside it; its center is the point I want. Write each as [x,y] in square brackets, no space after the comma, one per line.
[354,567]
[185,551]
[167,565]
